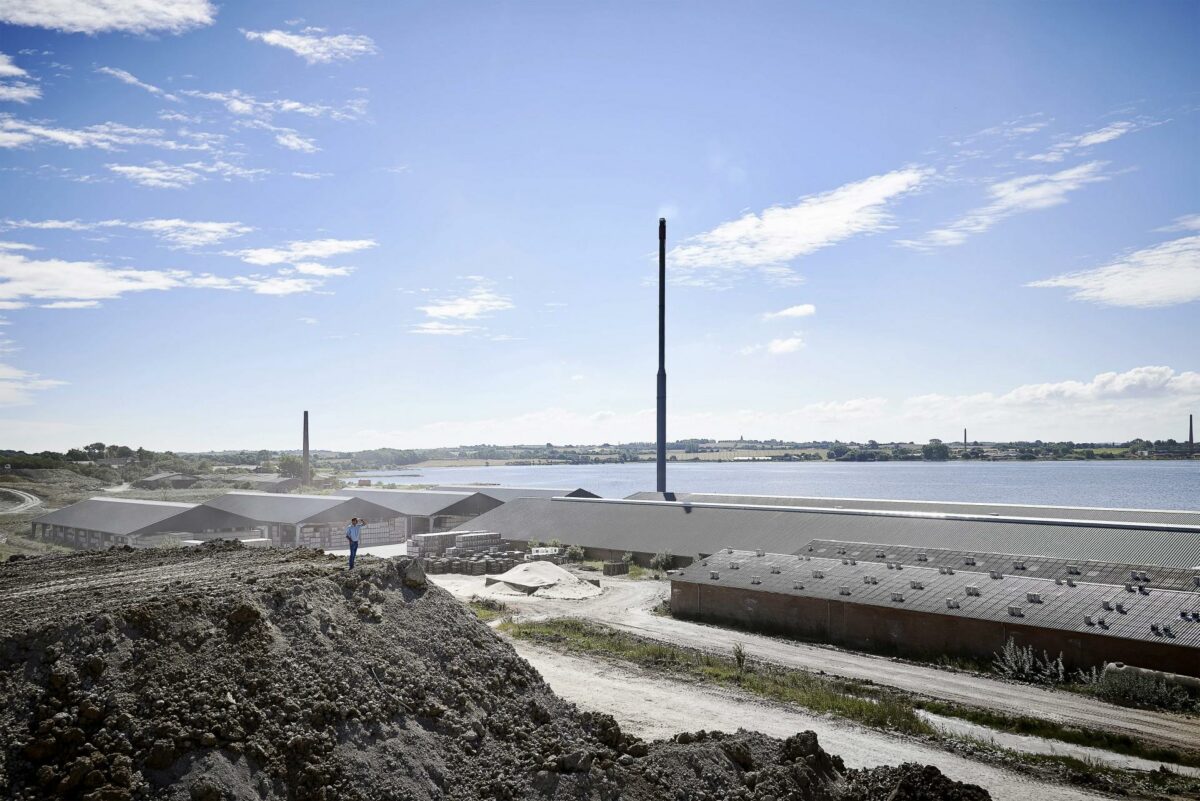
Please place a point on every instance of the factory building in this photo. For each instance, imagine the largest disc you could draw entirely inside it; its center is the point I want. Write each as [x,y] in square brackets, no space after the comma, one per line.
[317,521]
[264,482]
[608,528]
[889,607]
[105,522]
[166,481]
[506,494]
[427,511]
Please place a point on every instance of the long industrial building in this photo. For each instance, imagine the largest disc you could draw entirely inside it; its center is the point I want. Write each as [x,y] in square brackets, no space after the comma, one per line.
[428,511]
[105,522]
[506,494]
[932,611]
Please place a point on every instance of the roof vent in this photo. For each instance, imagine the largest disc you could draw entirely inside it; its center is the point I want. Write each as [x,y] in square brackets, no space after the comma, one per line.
[756,580]
[1107,604]
[996,574]
[880,555]
[891,565]
[1129,587]
[1070,581]
[735,565]
[760,552]
[1016,611]
[1144,590]
[728,550]
[898,597]
[1073,570]
[1196,581]
[970,560]
[951,603]
[946,571]
[1089,620]
[873,580]
[714,575]
[972,590]
[1058,581]
[854,561]
[1154,628]
[916,585]
[845,561]
[1121,608]
[774,568]
[1167,630]
[922,557]
[841,550]
[844,589]
[1033,597]
[797,585]
[1102,623]
[818,574]
[1018,564]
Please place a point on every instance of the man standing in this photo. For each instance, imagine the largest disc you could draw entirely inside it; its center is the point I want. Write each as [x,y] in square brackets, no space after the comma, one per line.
[353,531]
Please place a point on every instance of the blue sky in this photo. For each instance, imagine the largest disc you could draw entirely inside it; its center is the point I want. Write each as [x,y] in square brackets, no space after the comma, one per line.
[432,224]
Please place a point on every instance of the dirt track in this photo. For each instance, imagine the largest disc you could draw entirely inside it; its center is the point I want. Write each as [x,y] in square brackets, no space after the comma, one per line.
[25,502]
[626,604]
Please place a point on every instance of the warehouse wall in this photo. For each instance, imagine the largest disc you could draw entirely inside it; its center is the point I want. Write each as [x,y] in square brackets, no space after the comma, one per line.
[906,632]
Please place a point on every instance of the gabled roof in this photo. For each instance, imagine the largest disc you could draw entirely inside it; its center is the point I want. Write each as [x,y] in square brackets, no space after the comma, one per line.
[507,494]
[690,528]
[164,476]
[265,507]
[1175,516]
[426,503]
[128,516]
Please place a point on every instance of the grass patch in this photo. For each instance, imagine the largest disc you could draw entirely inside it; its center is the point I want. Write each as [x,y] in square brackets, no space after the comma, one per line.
[1049,730]
[852,700]
[487,609]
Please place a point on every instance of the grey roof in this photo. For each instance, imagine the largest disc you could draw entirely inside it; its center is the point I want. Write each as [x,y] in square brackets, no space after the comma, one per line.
[1060,607]
[127,516]
[1029,564]
[689,528]
[1177,516]
[264,507]
[507,494]
[426,503]
[163,476]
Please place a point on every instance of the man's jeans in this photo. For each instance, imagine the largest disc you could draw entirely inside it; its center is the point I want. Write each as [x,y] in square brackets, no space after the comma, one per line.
[353,551]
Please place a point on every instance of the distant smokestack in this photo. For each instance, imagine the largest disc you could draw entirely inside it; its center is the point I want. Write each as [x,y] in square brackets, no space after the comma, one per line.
[1191,437]
[964,437]
[306,473]
[662,354]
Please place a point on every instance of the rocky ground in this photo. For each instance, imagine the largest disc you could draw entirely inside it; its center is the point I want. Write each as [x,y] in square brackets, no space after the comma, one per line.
[227,673]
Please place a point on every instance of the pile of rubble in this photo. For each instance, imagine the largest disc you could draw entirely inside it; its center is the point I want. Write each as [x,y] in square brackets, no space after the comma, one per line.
[222,672]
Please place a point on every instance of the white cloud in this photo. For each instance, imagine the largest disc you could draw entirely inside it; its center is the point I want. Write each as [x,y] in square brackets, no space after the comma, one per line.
[788,345]
[10,70]
[16,132]
[1166,274]
[1014,196]
[312,268]
[71,304]
[100,16]
[299,252]
[1108,133]
[308,320]
[294,141]
[160,175]
[314,46]
[15,246]
[241,104]
[1188,222]
[17,385]
[481,301]
[175,232]
[23,279]
[442,329]
[803,310]
[19,92]
[766,242]
[129,78]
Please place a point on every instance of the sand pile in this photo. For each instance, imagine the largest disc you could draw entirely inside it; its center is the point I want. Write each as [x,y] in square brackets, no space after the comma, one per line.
[543,579]
[222,672]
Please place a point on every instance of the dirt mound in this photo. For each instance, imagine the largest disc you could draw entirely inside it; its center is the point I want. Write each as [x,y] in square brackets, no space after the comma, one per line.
[544,579]
[909,782]
[228,673]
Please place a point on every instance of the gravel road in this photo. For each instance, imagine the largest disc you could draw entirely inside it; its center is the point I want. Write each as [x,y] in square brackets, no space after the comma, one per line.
[626,604]
[25,501]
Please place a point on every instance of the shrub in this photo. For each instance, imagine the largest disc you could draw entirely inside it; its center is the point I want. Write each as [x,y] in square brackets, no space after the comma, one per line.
[1128,688]
[554,543]
[739,659]
[627,557]
[534,544]
[1015,662]
[662,560]
[575,553]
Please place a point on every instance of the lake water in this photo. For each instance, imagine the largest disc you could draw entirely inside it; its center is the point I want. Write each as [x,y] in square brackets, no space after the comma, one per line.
[1130,484]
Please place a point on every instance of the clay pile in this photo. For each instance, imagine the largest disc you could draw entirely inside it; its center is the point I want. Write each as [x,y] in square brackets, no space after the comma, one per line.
[228,673]
[543,579]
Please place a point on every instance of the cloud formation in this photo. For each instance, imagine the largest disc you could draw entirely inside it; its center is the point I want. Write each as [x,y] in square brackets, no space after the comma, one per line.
[241,104]
[1166,274]
[304,251]
[315,46]
[803,310]
[1108,133]
[112,136]
[768,241]
[481,301]
[160,175]
[15,91]
[175,232]
[1011,197]
[100,16]
[17,386]
[129,78]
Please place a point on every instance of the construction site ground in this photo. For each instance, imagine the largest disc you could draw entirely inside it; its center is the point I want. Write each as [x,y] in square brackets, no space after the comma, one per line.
[662,703]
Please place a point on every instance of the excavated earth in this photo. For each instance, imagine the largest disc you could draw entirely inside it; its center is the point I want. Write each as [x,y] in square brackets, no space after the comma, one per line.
[230,673]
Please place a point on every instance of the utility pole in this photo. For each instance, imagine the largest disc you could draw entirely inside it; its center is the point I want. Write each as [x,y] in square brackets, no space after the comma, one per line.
[662,355]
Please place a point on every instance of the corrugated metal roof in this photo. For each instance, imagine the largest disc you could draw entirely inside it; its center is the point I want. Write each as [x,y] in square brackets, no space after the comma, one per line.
[128,516]
[264,507]
[1180,517]
[927,590]
[423,503]
[1030,564]
[507,494]
[685,529]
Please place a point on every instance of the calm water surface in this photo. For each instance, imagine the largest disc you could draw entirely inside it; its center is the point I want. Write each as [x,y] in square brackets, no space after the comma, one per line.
[1142,485]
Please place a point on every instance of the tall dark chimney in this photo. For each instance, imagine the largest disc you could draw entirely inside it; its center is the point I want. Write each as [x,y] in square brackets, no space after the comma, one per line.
[964,437]
[1191,437]
[662,354]
[306,473]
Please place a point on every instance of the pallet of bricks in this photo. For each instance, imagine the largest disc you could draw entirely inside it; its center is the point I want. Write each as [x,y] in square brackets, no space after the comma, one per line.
[431,545]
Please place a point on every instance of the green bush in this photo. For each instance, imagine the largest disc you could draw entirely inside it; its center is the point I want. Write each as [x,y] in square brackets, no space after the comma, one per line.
[1015,662]
[662,560]
[575,553]
[627,557]
[1127,688]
